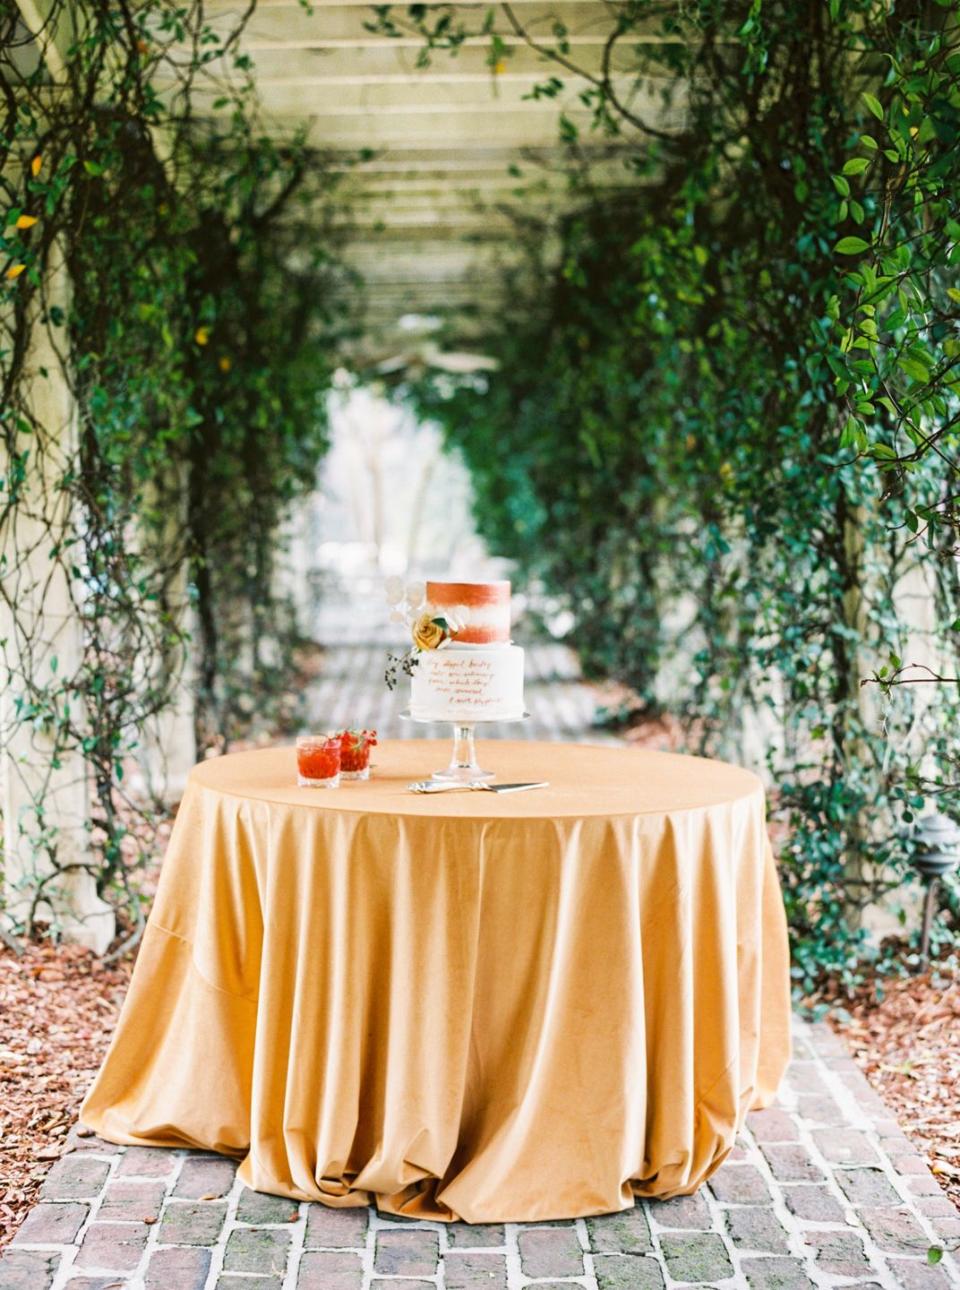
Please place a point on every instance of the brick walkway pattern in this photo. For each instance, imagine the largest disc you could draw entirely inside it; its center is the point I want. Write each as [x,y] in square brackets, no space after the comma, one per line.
[822,1190]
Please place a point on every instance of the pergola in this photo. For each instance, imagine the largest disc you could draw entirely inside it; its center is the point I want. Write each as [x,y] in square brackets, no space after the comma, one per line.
[441,166]
[441,160]
[458,149]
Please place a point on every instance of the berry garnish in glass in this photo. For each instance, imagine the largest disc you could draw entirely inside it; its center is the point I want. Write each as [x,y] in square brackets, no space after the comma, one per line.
[318,761]
[355,748]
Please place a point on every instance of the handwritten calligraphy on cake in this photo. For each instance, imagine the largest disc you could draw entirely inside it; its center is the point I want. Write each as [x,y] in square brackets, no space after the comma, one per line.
[464,681]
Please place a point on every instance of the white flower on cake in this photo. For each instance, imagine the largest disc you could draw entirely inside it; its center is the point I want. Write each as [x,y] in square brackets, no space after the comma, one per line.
[457,617]
[431,628]
[415,594]
[394,589]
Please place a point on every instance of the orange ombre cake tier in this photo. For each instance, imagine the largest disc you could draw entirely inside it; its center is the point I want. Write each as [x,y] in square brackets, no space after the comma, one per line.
[484,607]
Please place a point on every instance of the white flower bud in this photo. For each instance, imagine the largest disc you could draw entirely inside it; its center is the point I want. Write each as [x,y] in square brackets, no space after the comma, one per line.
[454,618]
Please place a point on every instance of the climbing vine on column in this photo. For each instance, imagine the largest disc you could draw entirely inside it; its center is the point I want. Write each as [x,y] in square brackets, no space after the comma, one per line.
[725,430]
[153,242]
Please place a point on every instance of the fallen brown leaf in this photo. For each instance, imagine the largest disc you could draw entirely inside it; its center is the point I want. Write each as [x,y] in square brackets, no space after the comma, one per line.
[906,1045]
[54,1037]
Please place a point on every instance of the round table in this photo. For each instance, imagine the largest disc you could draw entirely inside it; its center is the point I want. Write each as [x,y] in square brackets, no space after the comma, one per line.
[461,1005]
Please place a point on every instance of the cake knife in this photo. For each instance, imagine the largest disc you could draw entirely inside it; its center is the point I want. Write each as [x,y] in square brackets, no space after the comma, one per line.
[440,786]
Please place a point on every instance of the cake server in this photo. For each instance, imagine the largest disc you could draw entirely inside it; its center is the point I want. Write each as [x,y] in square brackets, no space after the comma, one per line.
[442,786]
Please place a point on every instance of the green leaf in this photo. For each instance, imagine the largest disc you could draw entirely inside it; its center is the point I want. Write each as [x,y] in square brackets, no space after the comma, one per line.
[856,165]
[873,103]
[913,367]
[851,246]
[934,1254]
[928,130]
[569,132]
[841,185]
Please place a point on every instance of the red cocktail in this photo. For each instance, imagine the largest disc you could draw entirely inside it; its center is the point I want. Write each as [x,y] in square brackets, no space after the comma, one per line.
[355,748]
[318,761]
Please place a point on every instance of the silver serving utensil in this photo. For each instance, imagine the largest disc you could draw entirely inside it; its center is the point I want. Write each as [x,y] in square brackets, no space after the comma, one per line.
[443,786]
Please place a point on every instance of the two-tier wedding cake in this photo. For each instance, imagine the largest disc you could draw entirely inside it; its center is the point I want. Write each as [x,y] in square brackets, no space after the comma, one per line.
[466,668]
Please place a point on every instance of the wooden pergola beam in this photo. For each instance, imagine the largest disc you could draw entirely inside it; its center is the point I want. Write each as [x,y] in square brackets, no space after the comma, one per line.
[52,38]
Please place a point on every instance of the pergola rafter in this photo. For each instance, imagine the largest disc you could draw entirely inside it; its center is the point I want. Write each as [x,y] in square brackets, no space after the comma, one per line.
[454,150]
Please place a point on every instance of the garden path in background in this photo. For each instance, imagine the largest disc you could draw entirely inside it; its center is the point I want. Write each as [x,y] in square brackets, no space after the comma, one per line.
[822,1190]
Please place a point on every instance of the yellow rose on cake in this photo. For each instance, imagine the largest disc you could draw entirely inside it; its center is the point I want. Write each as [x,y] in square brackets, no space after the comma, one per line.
[427,633]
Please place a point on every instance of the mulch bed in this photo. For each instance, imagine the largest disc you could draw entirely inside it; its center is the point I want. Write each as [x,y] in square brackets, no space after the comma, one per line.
[907,1043]
[58,1008]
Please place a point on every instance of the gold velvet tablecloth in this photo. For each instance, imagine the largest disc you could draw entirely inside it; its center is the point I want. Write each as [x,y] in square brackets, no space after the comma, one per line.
[463,1005]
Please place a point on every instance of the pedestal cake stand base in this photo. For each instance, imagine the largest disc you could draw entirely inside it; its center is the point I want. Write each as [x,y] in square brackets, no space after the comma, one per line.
[464,767]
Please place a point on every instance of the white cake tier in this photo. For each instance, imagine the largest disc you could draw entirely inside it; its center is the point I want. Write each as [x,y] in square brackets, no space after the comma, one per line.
[468,683]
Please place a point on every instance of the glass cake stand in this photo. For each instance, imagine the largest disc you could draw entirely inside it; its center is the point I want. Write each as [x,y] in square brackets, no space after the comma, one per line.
[464,767]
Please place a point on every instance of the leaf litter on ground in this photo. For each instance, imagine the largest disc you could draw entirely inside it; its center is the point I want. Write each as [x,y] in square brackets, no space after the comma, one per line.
[905,1037]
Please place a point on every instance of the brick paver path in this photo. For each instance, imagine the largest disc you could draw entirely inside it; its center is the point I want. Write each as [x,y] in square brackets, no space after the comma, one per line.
[351,693]
[822,1190]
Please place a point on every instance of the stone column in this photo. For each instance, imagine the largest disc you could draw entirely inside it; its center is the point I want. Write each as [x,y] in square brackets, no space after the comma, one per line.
[168,744]
[45,789]
[168,741]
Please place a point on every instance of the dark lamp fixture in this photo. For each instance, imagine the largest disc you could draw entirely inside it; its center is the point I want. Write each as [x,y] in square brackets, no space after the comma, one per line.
[936,852]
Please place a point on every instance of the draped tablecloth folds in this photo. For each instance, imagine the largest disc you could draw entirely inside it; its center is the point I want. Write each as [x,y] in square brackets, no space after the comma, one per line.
[462,1005]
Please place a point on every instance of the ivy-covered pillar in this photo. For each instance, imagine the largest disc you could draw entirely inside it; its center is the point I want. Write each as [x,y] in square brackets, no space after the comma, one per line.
[48,870]
[168,740]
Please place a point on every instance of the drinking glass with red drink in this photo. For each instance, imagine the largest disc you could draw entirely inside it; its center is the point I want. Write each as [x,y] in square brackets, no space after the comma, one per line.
[318,761]
[355,748]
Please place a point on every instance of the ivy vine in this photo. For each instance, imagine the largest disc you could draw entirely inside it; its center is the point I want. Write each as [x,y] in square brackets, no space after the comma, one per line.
[176,265]
[725,432]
